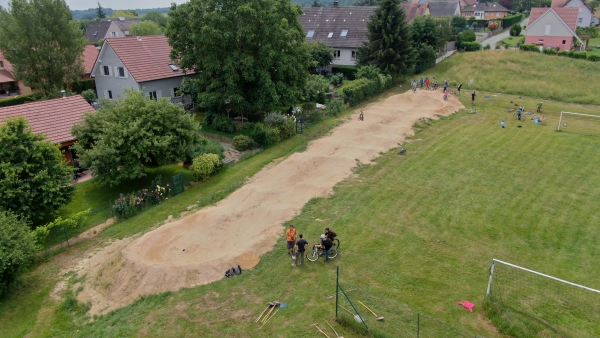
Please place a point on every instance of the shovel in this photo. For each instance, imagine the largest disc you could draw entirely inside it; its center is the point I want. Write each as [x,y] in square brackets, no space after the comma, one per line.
[378,318]
[358,318]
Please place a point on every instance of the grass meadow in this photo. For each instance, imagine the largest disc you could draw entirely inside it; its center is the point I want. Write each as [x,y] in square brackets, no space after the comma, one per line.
[418,232]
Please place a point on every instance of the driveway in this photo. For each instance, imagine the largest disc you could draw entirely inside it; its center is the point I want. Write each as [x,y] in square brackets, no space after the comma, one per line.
[492,40]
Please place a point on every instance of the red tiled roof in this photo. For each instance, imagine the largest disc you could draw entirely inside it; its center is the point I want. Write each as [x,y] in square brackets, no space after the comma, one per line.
[559,3]
[90,54]
[53,118]
[413,10]
[146,59]
[7,65]
[568,15]
[6,76]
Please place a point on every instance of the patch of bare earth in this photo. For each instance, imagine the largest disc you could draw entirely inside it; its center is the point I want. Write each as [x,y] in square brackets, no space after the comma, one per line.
[198,248]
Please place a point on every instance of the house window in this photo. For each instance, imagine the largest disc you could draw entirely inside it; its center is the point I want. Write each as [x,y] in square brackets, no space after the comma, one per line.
[106,70]
[113,34]
[541,40]
[175,92]
[336,54]
[109,94]
[354,54]
[121,71]
[344,33]
[498,14]
[564,42]
[468,14]
[580,20]
[153,96]
[547,31]
[310,34]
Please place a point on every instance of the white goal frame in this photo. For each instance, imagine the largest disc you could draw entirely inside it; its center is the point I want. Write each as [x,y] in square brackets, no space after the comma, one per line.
[567,112]
[496,261]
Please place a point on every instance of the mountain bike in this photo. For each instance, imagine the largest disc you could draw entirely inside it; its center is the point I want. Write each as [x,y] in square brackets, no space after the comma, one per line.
[316,252]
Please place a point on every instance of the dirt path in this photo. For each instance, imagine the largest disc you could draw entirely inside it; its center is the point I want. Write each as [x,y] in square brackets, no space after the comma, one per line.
[198,248]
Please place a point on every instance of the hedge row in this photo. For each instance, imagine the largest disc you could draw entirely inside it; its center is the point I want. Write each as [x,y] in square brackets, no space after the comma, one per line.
[82,85]
[567,53]
[348,71]
[21,99]
[471,46]
[511,20]
[363,89]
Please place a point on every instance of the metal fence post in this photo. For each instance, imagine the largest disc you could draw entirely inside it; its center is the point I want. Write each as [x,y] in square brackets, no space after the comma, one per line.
[418,324]
[337,287]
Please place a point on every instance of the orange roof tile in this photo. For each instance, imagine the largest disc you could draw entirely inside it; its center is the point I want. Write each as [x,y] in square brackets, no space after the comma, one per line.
[146,58]
[559,3]
[53,118]
[413,10]
[568,15]
[90,54]
[6,76]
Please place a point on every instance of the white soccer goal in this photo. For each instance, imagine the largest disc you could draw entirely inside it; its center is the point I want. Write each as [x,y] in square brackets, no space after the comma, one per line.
[535,304]
[580,123]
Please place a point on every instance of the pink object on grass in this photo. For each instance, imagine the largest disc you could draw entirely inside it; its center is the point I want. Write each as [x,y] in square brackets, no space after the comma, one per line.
[467,304]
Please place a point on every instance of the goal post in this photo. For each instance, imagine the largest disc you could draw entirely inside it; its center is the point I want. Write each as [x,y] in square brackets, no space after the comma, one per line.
[531,303]
[563,123]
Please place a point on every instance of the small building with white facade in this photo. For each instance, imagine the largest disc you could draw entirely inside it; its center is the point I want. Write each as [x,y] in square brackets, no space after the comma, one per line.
[141,63]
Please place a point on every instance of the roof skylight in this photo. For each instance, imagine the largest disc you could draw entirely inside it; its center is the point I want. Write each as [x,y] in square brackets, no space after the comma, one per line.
[310,34]
[344,33]
[173,67]
[330,35]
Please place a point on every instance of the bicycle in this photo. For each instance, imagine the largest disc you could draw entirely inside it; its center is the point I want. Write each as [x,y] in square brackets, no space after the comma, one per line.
[473,111]
[519,117]
[314,254]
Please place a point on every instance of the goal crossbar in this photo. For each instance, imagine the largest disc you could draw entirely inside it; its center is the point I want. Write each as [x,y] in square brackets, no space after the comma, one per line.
[568,112]
[489,288]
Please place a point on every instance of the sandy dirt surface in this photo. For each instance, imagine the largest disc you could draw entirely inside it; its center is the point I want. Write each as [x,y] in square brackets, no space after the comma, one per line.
[198,248]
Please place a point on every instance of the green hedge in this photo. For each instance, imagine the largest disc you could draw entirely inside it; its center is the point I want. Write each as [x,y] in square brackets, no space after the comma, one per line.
[348,71]
[593,58]
[470,46]
[363,89]
[21,99]
[511,20]
[82,85]
[529,48]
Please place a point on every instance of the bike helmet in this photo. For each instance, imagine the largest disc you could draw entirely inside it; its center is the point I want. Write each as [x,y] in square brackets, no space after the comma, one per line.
[323,236]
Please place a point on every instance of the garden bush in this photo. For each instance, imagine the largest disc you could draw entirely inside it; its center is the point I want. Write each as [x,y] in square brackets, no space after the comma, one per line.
[206,165]
[287,130]
[308,106]
[566,53]
[593,58]
[275,118]
[83,85]
[315,116]
[242,142]
[316,89]
[515,30]
[488,46]
[349,72]
[579,55]
[550,51]
[471,46]
[336,79]
[89,95]
[264,135]
[21,99]
[362,89]
[222,123]
[205,146]
[334,107]
[128,205]
[529,48]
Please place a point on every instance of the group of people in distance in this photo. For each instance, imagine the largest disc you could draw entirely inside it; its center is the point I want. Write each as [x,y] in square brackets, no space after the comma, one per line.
[433,85]
[325,245]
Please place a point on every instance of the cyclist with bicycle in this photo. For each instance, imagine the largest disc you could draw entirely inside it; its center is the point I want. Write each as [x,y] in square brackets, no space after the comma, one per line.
[330,234]
[325,245]
[519,111]
[413,84]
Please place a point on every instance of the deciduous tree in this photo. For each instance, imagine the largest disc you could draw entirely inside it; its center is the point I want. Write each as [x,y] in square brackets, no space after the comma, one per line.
[132,132]
[390,45]
[320,53]
[43,43]
[34,178]
[156,17]
[247,53]
[17,248]
[145,28]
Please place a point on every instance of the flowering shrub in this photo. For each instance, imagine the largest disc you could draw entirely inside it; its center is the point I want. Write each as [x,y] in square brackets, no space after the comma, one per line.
[493,25]
[130,204]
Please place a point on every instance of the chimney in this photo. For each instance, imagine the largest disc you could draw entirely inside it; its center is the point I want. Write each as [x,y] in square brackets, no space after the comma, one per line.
[64,93]
[335,3]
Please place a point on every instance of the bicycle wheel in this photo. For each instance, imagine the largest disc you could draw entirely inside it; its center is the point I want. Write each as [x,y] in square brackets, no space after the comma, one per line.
[336,243]
[516,116]
[333,252]
[313,255]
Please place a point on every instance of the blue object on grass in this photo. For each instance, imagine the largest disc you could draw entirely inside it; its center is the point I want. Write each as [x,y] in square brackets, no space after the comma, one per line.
[487,96]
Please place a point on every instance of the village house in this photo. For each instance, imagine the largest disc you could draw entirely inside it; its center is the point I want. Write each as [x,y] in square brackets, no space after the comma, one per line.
[552,28]
[52,118]
[109,28]
[141,63]
[485,11]
[585,16]
[442,9]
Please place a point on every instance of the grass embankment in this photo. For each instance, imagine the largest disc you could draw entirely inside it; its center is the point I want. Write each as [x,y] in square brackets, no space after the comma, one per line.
[524,73]
[511,41]
[419,229]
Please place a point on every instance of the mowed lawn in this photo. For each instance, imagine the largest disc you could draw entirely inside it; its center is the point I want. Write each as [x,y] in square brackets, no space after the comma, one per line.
[418,230]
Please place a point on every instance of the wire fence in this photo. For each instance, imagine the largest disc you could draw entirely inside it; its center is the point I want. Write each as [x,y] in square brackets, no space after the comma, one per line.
[376,316]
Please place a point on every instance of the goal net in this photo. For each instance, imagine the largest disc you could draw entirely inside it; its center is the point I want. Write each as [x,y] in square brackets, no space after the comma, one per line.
[585,124]
[526,303]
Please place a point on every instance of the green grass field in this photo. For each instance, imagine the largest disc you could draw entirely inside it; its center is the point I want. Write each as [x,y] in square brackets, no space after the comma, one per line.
[418,231]
[511,41]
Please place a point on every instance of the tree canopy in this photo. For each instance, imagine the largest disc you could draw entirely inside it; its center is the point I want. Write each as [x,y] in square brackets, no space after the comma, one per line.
[320,53]
[145,28]
[34,178]
[247,53]
[127,13]
[100,13]
[426,39]
[17,248]
[43,43]
[390,43]
[131,132]
[156,17]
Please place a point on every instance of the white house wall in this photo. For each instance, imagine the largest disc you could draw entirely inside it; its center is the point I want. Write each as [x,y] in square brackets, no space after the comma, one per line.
[113,28]
[585,15]
[345,58]
[113,83]
[557,28]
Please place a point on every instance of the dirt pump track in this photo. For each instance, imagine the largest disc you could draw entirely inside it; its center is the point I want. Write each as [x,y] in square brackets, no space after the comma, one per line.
[248,223]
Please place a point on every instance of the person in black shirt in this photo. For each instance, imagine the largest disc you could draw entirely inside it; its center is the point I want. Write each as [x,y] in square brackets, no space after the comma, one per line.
[301,244]
[459,87]
[473,98]
[326,244]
